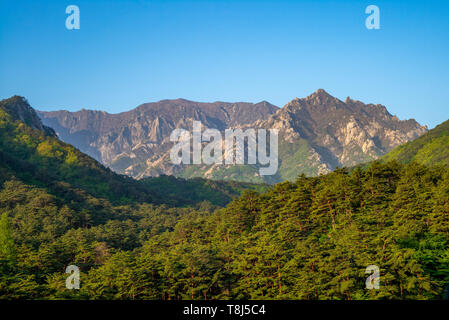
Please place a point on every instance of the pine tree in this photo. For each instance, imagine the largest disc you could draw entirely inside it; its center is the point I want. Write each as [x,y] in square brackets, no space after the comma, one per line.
[7,251]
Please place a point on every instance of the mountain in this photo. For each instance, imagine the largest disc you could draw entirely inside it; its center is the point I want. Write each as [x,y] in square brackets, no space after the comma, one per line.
[31,153]
[320,133]
[432,148]
[156,238]
[317,134]
[137,142]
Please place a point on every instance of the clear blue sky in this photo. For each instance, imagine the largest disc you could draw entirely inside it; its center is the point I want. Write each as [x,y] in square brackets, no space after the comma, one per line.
[130,52]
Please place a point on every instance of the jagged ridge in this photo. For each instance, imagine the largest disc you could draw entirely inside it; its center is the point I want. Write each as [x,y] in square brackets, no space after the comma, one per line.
[318,134]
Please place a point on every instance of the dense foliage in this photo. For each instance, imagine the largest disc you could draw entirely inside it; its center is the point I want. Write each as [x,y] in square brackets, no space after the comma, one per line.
[311,239]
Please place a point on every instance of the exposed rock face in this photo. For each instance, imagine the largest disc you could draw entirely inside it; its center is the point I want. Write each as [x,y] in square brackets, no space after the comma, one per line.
[137,142]
[341,133]
[317,134]
[432,148]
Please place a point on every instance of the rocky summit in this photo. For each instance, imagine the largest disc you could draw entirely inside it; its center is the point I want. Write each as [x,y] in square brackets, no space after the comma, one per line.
[317,134]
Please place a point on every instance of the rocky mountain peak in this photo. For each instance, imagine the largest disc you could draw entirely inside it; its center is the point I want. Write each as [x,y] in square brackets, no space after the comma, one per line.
[320,97]
[338,133]
[319,93]
[18,109]
[317,134]
[318,101]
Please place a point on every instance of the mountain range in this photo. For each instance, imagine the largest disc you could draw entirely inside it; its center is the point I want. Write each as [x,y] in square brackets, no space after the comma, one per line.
[31,152]
[317,134]
[148,238]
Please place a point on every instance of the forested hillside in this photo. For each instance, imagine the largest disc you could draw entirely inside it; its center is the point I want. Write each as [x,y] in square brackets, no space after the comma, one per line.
[157,239]
[431,148]
[311,239]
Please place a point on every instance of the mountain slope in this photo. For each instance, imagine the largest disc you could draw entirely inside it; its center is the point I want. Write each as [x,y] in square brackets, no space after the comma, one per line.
[320,133]
[136,142]
[317,134]
[430,149]
[34,154]
[31,152]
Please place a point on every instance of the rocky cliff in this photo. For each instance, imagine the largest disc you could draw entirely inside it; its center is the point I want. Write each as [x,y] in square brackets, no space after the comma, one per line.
[317,134]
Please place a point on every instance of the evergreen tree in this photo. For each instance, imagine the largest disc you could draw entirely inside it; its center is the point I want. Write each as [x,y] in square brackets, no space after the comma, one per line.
[7,249]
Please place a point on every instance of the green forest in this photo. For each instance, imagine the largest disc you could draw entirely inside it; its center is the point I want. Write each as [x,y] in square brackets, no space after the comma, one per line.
[168,238]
